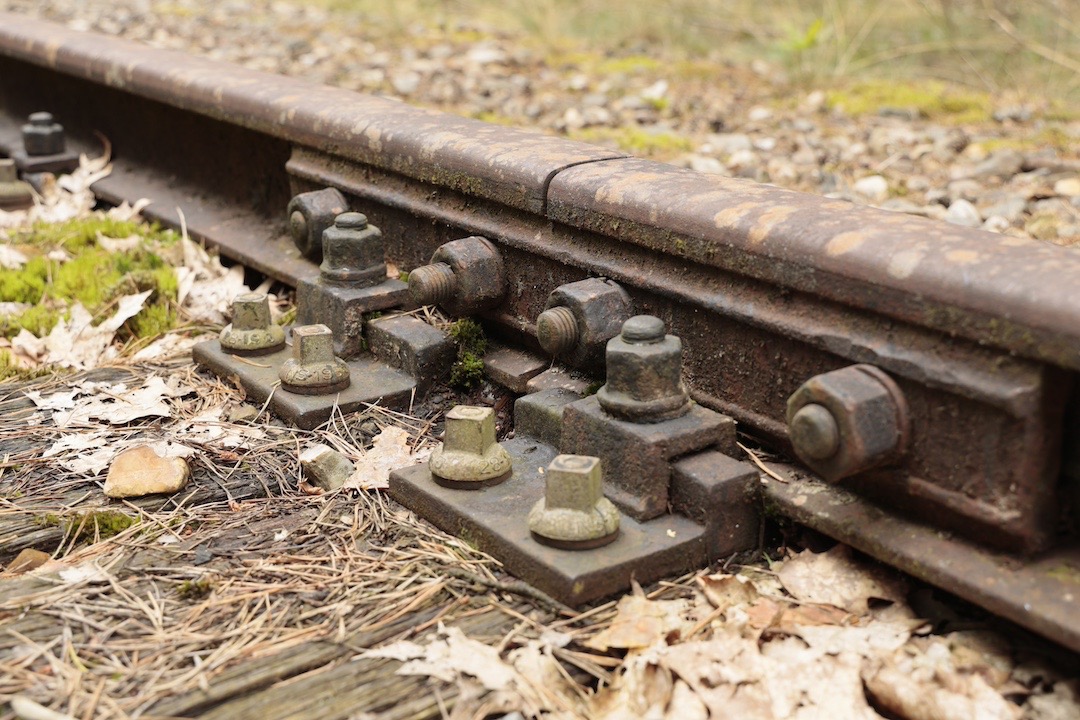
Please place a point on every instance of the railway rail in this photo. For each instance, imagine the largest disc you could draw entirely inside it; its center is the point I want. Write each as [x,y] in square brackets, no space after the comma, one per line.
[924,373]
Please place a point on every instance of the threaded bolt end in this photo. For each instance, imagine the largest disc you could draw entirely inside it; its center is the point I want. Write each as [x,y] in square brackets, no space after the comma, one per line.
[814,432]
[432,284]
[557,330]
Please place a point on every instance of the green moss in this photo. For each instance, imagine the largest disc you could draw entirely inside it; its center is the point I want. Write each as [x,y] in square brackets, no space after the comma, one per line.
[637,141]
[90,276]
[194,589]
[932,99]
[93,525]
[468,370]
[494,118]
[288,317]
[593,387]
[629,65]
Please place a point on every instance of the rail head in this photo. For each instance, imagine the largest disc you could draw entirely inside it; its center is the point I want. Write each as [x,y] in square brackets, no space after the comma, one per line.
[1022,296]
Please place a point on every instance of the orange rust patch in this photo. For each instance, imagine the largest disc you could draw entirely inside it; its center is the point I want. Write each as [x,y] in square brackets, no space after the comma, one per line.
[844,242]
[769,220]
[732,216]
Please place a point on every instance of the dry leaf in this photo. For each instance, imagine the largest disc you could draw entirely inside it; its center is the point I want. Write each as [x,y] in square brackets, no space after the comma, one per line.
[115,245]
[640,623]
[10,258]
[942,695]
[836,578]
[390,450]
[725,591]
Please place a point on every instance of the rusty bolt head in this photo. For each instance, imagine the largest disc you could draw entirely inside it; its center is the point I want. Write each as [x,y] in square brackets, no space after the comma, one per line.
[644,373]
[352,252]
[310,214]
[251,331]
[14,193]
[580,319]
[313,369]
[574,514]
[848,421]
[469,457]
[42,135]
[467,277]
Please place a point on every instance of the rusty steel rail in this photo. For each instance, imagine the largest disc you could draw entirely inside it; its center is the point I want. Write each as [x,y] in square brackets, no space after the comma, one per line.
[974,336]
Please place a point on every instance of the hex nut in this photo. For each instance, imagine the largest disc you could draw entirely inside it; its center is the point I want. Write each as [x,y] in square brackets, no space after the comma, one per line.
[352,252]
[251,331]
[14,193]
[464,277]
[42,135]
[313,369]
[470,457]
[580,318]
[310,214]
[848,421]
[574,514]
[644,373]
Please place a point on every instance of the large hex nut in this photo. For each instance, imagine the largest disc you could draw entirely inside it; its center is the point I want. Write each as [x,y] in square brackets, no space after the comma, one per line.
[352,252]
[470,457]
[845,422]
[574,514]
[14,193]
[464,277]
[644,373]
[42,135]
[310,214]
[580,318]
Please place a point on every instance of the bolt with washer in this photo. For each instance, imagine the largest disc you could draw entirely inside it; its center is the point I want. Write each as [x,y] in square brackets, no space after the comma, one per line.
[42,135]
[313,369]
[464,277]
[251,331]
[574,514]
[644,373]
[847,421]
[470,457]
[352,252]
[581,317]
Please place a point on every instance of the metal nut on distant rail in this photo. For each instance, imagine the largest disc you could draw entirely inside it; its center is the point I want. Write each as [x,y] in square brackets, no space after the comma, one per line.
[848,421]
[644,373]
[251,331]
[313,369]
[42,135]
[14,193]
[310,214]
[574,514]
[464,277]
[470,457]
[352,252]
[580,319]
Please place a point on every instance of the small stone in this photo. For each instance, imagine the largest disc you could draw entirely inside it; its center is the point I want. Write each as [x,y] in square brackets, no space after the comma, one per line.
[1069,187]
[1003,164]
[27,560]
[1012,209]
[655,92]
[141,471]
[405,83]
[964,189]
[325,467]
[963,213]
[1043,226]
[874,187]
[705,164]
[996,223]
[730,143]
[759,114]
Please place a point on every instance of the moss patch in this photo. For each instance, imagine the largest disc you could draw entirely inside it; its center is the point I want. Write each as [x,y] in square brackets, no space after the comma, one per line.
[194,589]
[931,99]
[90,275]
[468,370]
[636,140]
[92,525]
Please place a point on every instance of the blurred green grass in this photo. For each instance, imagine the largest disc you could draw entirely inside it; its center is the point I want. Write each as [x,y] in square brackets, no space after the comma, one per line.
[1029,49]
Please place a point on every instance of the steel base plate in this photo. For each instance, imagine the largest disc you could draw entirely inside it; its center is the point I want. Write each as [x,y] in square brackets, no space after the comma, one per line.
[1038,593]
[372,382]
[494,519]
